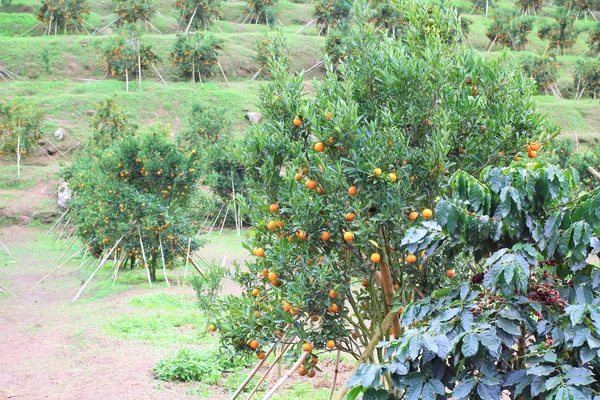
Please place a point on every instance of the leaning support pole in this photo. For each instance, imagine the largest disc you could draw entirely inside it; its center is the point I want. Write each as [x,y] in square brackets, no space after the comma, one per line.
[5,289]
[254,371]
[85,246]
[223,72]
[187,260]
[158,73]
[144,255]
[286,376]
[191,19]
[369,350]
[306,26]
[594,173]
[96,270]
[275,362]
[162,255]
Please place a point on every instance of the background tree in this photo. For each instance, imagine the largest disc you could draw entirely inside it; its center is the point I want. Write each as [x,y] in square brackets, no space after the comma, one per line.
[510,29]
[19,129]
[339,176]
[130,11]
[198,14]
[529,6]
[110,123]
[595,38]
[196,55]
[561,33]
[386,16]
[136,190]
[271,47]
[263,11]
[62,15]
[543,69]
[516,308]
[582,7]
[330,13]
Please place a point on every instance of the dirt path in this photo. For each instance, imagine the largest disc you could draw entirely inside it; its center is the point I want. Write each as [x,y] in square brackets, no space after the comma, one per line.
[52,349]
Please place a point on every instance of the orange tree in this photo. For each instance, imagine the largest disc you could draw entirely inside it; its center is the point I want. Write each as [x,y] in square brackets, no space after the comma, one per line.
[543,69]
[336,179]
[137,190]
[131,11]
[271,47]
[126,53]
[595,38]
[63,15]
[19,128]
[201,13]
[330,13]
[529,6]
[587,78]
[561,33]
[263,11]
[196,55]
[110,123]
[510,29]
[510,303]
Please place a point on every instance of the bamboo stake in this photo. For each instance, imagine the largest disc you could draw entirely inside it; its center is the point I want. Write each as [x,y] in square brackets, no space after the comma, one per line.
[223,72]
[216,219]
[4,252]
[191,19]
[96,270]
[369,350]
[6,249]
[275,362]
[119,266]
[83,258]
[19,152]
[306,26]
[139,67]
[5,289]
[31,29]
[144,255]
[153,27]
[335,374]
[158,73]
[224,219]
[69,259]
[162,255]
[286,376]
[594,173]
[256,75]
[68,248]
[253,372]
[187,260]
[99,31]
[127,79]
[314,66]
[237,228]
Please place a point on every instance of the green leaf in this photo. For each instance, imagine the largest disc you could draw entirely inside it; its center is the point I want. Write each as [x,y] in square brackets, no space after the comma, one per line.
[540,370]
[463,389]
[470,345]
[496,180]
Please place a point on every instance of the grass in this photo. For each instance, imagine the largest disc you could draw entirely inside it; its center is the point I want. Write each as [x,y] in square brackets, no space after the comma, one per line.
[164,301]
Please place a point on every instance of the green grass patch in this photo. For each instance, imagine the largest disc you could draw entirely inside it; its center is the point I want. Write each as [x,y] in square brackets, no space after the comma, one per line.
[164,301]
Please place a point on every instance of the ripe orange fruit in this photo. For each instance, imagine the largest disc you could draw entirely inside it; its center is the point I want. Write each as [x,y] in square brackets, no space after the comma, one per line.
[319,147]
[333,294]
[331,140]
[450,273]
[375,257]
[328,115]
[532,154]
[255,292]
[427,213]
[330,344]
[315,360]
[261,355]
[325,235]
[333,308]
[287,307]
[273,207]
[281,223]
[312,185]
[364,283]
[277,283]
[392,176]
[271,225]
[264,273]
[314,317]
[396,286]
[259,252]
[517,157]
[253,344]
[411,259]
[535,146]
[302,235]
[355,334]
[212,328]
[413,216]
[377,171]
[302,371]
[312,373]
[413,178]
[272,276]
[307,347]
[297,177]
[352,190]
[348,236]
[350,217]
[297,121]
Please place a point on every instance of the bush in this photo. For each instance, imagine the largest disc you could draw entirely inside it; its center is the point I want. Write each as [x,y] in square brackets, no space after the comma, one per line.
[388,17]
[19,128]
[137,189]
[587,78]
[109,124]
[63,15]
[203,124]
[130,11]
[336,178]
[582,6]
[595,38]
[126,53]
[510,29]
[330,13]
[336,45]
[263,11]
[208,287]
[565,156]
[222,165]
[528,6]
[515,306]
[197,54]
[543,69]
[203,12]
[561,33]
[189,365]
[271,48]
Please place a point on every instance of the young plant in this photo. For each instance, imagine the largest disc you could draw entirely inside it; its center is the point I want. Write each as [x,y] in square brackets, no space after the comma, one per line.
[509,301]
[510,29]
[110,124]
[62,15]
[271,48]
[19,129]
[131,11]
[198,14]
[337,177]
[196,55]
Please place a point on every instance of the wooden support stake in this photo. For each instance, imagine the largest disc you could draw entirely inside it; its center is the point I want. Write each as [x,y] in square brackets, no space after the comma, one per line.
[69,259]
[162,255]
[191,19]
[158,73]
[594,173]
[256,75]
[187,260]
[144,255]
[31,29]
[276,361]
[5,289]
[223,72]
[254,371]
[224,219]
[286,376]
[19,152]
[68,248]
[306,26]
[96,270]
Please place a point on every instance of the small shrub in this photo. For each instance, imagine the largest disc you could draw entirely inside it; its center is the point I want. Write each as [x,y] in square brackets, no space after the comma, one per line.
[595,38]
[529,6]
[197,54]
[130,11]
[263,11]
[269,49]
[110,123]
[208,286]
[189,365]
[387,17]
[564,155]
[19,128]
[510,29]
[203,12]
[336,44]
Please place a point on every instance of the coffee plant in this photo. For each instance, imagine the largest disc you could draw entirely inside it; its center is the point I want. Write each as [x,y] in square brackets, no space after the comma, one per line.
[507,300]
